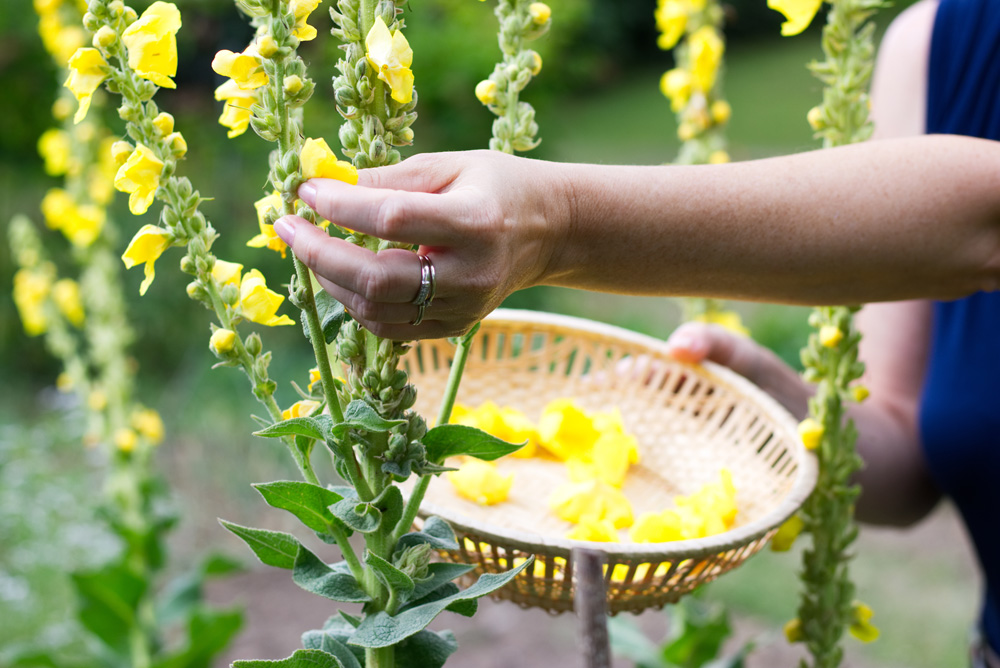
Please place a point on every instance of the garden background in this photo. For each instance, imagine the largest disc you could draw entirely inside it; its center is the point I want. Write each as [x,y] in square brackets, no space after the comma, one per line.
[597,100]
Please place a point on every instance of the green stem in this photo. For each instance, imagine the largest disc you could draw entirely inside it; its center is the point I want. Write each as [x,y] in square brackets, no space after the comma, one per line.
[382,657]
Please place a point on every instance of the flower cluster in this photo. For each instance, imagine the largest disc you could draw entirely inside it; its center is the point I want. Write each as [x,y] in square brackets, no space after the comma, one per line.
[520,22]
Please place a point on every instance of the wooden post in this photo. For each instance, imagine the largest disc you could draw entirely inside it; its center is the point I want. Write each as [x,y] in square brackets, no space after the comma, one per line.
[591,606]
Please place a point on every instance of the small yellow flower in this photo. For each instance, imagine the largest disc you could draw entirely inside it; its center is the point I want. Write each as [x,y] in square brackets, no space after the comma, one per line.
[540,13]
[486,91]
[292,84]
[125,440]
[303,408]
[80,224]
[861,626]
[236,111]
[314,378]
[258,303]
[793,631]
[64,382]
[152,43]
[54,147]
[729,320]
[536,63]
[222,341]
[140,177]
[97,401]
[687,131]
[815,118]
[177,144]
[811,433]
[302,9]
[391,56]
[721,112]
[267,237]
[830,336]
[786,534]
[164,123]
[480,482]
[104,37]
[718,158]
[675,85]
[671,20]
[706,49]
[798,14]
[146,246]
[120,152]
[66,295]
[319,162]
[148,423]
[860,393]
[87,69]
[31,289]
[227,273]
[243,68]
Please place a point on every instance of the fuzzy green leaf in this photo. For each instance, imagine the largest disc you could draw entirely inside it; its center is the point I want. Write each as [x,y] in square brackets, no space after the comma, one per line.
[331,644]
[365,522]
[383,630]
[303,658]
[435,533]
[449,440]
[108,600]
[273,548]
[438,575]
[311,427]
[389,575]
[331,316]
[306,501]
[390,502]
[426,649]
[362,417]
[314,576]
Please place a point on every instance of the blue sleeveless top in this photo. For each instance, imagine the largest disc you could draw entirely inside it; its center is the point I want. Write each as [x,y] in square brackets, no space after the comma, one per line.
[960,408]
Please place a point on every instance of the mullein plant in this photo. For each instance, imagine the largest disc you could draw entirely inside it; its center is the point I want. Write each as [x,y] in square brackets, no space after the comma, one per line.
[828,606]
[693,30]
[137,621]
[362,420]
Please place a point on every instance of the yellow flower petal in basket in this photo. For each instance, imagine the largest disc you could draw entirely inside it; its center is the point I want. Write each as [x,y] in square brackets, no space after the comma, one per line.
[566,431]
[589,501]
[480,482]
[598,531]
[519,429]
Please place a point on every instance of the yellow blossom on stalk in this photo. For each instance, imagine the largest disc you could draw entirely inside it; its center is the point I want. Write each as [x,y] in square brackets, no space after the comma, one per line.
[148,423]
[104,37]
[80,223]
[222,341]
[793,630]
[164,123]
[236,111]
[125,440]
[31,289]
[303,408]
[87,69]
[59,39]
[798,14]
[860,393]
[391,56]
[830,336]
[62,109]
[314,378]
[861,626]
[486,91]
[146,246]
[245,69]
[726,319]
[721,111]
[227,273]
[319,162]
[140,176]
[598,531]
[258,303]
[706,49]
[786,534]
[671,20]
[675,85]
[718,158]
[592,500]
[480,482]
[811,433]
[54,147]
[267,237]
[152,43]
[540,13]
[302,9]
[66,295]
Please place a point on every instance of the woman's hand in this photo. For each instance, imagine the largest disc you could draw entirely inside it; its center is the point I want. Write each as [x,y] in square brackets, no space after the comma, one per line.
[485,220]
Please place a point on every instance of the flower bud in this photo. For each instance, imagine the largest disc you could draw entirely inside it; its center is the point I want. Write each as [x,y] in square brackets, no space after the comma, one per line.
[293,84]
[540,12]
[793,631]
[120,152]
[90,22]
[230,294]
[811,433]
[486,91]
[104,37]
[253,344]
[222,341]
[195,290]
[164,123]
[815,118]
[130,15]
[377,151]
[125,440]
[830,336]
[290,162]
[370,379]
[536,63]
[718,158]
[348,136]
[188,265]
[178,145]
[267,47]
[860,393]
[116,7]
[721,111]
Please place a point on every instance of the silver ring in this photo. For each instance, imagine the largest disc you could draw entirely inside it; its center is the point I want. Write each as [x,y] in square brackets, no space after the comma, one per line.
[428,284]
[420,314]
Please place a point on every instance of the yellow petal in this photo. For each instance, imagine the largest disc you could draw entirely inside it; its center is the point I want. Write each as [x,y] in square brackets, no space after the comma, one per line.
[146,246]
[152,43]
[798,14]
[140,176]
[258,303]
[87,69]
[319,162]
[480,482]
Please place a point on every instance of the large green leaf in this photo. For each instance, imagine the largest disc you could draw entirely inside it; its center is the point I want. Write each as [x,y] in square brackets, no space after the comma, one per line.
[209,632]
[331,316]
[108,601]
[393,578]
[331,643]
[273,548]
[303,658]
[311,427]
[426,649]
[449,440]
[360,516]
[314,576]
[359,415]
[383,630]
[306,501]
[435,533]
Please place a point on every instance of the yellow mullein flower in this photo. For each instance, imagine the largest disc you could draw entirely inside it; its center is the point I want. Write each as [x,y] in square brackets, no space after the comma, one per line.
[591,500]
[303,408]
[486,91]
[258,303]
[104,37]
[97,400]
[222,341]
[726,319]
[64,382]
[236,111]
[146,246]
[125,440]
[391,56]
[656,528]
[314,378]
[540,13]
[152,43]
[149,424]
[31,289]
[798,14]
[671,20]
[861,626]
[811,433]
[480,482]
[721,111]
[675,85]
[80,224]
[267,237]
[140,177]
[319,162]
[227,273]
[786,534]
[243,68]
[598,531]
[66,295]
[302,9]
[164,123]
[706,49]
[793,630]
[566,431]
[830,336]
[54,147]
[87,69]
[860,393]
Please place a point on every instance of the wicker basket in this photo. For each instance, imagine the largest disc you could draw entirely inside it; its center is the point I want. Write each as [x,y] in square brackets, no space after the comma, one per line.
[690,422]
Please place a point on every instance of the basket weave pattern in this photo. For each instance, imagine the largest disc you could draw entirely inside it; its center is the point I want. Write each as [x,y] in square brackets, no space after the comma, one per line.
[690,421]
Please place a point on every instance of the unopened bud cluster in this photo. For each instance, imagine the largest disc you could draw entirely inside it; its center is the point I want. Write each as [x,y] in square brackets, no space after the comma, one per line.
[515,128]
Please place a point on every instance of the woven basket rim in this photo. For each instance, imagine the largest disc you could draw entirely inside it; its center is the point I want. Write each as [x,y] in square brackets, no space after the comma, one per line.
[805,477]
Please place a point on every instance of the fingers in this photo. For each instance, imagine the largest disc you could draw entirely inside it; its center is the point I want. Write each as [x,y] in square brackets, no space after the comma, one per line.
[695,342]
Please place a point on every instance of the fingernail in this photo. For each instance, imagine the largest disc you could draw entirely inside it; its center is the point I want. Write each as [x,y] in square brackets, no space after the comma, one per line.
[283,228]
[307,193]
